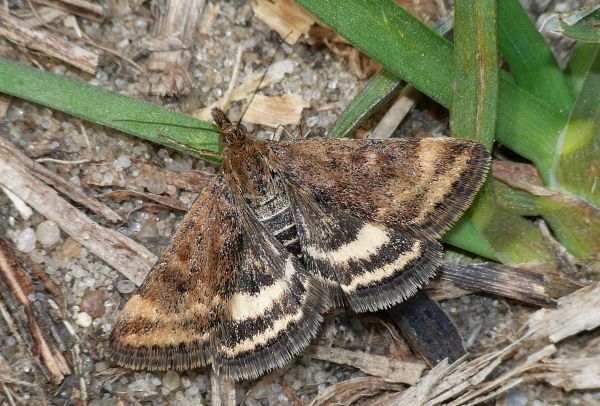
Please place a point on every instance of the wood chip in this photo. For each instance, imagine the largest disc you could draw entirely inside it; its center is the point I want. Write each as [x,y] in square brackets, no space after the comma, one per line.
[285,17]
[19,288]
[352,391]
[122,253]
[81,8]
[119,195]
[404,103]
[48,44]
[176,27]
[67,188]
[577,312]
[222,390]
[389,369]
[574,373]
[275,73]
[276,111]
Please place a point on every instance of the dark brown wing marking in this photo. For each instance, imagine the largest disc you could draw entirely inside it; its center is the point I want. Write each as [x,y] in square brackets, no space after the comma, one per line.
[423,184]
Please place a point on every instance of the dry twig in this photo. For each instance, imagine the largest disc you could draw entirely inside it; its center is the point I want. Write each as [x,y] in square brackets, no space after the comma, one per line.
[133,194]
[16,289]
[49,44]
[351,391]
[389,369]
[174,35]
[125,255]
[222,390]
[82,8]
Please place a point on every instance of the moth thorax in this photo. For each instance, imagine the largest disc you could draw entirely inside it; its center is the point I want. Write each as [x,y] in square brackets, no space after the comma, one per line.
[232,133]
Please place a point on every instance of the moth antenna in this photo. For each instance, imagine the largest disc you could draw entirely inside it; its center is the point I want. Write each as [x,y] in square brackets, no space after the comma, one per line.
[191,127]
[262,78]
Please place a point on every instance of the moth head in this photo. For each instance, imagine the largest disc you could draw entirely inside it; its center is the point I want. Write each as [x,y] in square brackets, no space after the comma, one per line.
[230,132]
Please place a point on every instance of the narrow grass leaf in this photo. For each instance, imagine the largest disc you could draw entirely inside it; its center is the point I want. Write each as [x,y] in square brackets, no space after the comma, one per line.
[380,89]
[577,168]
[530,58]
[136,117]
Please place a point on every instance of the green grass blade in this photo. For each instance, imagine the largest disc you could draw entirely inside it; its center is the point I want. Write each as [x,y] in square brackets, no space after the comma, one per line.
[530,58]
[475,80]
[473,116]
[528,126]
[136,117]
[577,169]
[381,88]
[390,35]
[579,65]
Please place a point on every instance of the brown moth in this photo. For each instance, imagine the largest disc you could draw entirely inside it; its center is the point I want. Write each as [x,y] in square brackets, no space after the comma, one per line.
[287,230]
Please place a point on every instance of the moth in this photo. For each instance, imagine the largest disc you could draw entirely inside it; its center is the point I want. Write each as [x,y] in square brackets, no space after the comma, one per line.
[286,231]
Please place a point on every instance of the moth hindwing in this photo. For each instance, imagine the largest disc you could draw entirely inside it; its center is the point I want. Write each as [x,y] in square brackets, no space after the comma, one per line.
[285,232]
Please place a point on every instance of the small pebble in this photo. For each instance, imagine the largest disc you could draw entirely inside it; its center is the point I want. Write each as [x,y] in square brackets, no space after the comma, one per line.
[83,320]
[138,386]
[92,303]
[157,186]
[171,380]
[26,240]
[125,286]
[71,248]
[123,161]
[47,233]
[516,398]
[37,256]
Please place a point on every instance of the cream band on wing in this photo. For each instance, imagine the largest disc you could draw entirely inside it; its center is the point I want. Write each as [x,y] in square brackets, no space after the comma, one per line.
[246,306]
[265,336]
[138,307]
[367,242]
[164,335]
[428,154]
[386,270]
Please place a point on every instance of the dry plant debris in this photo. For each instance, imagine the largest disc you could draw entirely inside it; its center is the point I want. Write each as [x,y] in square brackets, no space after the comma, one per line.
[48,43]
[125,255]
[82,8]
[16,289]
[276,73]
[389,369]
[174,32]
[285,17]
[276,111]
